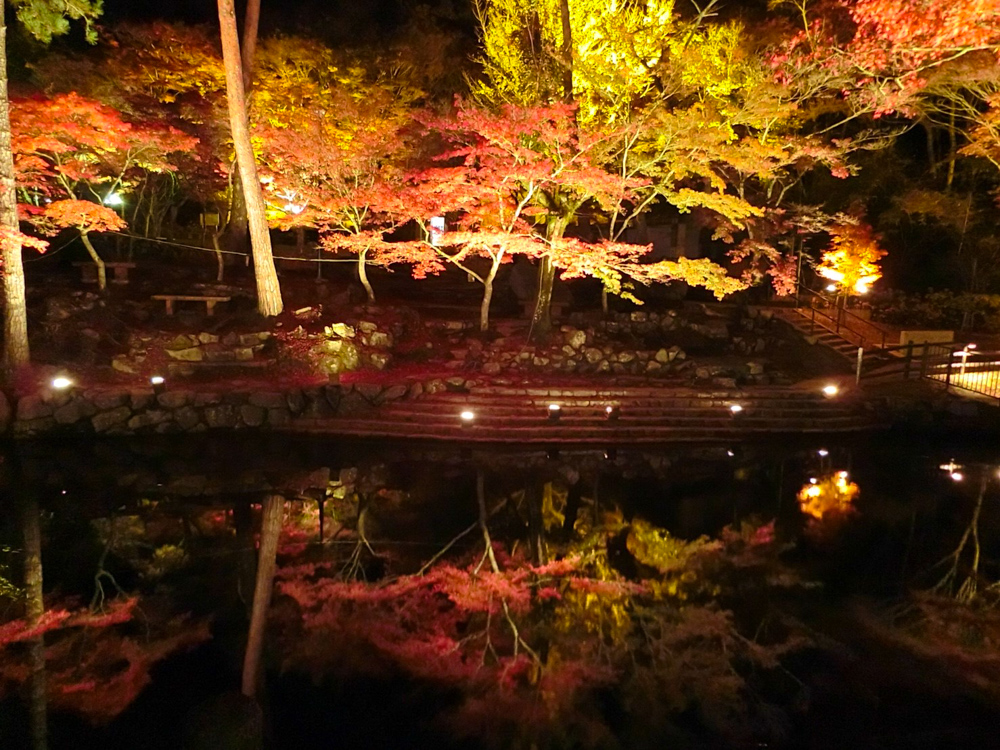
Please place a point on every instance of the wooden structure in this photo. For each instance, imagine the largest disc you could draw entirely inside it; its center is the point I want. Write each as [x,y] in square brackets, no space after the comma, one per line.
[119,271]
[210,301]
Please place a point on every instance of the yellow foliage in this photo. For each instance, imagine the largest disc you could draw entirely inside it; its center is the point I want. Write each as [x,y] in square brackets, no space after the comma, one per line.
[553,507]
[829,495]
[655,547]
[852,262]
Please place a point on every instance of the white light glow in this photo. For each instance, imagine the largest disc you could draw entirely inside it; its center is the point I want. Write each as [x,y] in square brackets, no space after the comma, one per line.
[157,380]
[830,390]
[823,452]
[957,476]
[61,383]
[554,407]
[735,408]
[467,416]
[113,199]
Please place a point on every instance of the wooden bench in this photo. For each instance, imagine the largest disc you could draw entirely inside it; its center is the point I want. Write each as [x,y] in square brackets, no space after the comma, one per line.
[119,271]
[209,301]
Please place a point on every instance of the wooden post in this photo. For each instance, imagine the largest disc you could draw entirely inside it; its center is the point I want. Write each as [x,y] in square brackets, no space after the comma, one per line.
[861,356]
[947,377]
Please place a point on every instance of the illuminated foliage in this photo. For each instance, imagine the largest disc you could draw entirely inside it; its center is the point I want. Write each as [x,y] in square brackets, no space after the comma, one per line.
[67,146]
[96,662]
[830,496]
[852,262]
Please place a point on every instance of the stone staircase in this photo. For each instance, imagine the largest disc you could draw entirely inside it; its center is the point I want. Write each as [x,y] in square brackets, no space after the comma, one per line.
[508,414]
[798,319]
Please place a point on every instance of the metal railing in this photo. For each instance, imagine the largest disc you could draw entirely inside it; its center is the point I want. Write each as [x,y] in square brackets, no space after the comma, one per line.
[952,365]
[966,369]
[826,312]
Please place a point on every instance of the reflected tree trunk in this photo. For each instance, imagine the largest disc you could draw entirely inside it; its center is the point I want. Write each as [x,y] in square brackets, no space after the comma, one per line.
[246,574]
[533,497]
[270,527]
[34,609]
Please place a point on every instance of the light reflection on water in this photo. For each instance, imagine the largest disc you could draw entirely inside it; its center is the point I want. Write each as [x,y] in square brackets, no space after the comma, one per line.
[178,521]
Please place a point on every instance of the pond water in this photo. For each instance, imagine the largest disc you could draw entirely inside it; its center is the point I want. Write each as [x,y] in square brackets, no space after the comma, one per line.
[681,595]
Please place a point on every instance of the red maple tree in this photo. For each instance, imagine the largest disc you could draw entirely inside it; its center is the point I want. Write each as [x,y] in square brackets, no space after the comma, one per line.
[68,147]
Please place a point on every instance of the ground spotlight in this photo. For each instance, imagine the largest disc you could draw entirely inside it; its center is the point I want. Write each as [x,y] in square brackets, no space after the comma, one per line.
[823,452]
[730,453]
[61,383]
[159,383]
[735,409]
[957,476]
[612,412]
[830,390]
[555,411]
[611,454]
[467,418]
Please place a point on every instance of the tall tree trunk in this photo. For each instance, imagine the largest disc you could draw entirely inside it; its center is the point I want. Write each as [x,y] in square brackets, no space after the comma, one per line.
[15,322]
[34,609]
[238,227]
[952,154]
[567,50]
[249,48]
[220,262]
[102,274]
[541,319]
[268,290]
[270,526]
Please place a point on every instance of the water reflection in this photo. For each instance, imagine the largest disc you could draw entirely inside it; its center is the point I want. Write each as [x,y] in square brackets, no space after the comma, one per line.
[619,598]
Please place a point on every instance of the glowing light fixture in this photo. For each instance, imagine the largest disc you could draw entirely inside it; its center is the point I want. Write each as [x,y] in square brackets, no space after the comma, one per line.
[467,416]
[158,382]
[823,452]
[831,287]
[830,390]
[730,453]
[113,199]
[61,383]
[555,411]
[612,412]
[735,409]
[957,476]
[293,208]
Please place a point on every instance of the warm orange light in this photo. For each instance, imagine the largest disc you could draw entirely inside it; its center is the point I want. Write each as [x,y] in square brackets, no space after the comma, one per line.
[829,495]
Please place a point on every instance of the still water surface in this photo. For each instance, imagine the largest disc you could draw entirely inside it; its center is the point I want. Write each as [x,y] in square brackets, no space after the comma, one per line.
[172,525]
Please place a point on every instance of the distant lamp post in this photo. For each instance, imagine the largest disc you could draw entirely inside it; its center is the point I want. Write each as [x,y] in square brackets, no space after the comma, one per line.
[436,233]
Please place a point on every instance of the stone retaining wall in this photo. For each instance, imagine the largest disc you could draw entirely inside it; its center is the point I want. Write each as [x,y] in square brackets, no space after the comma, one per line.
[141,410]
